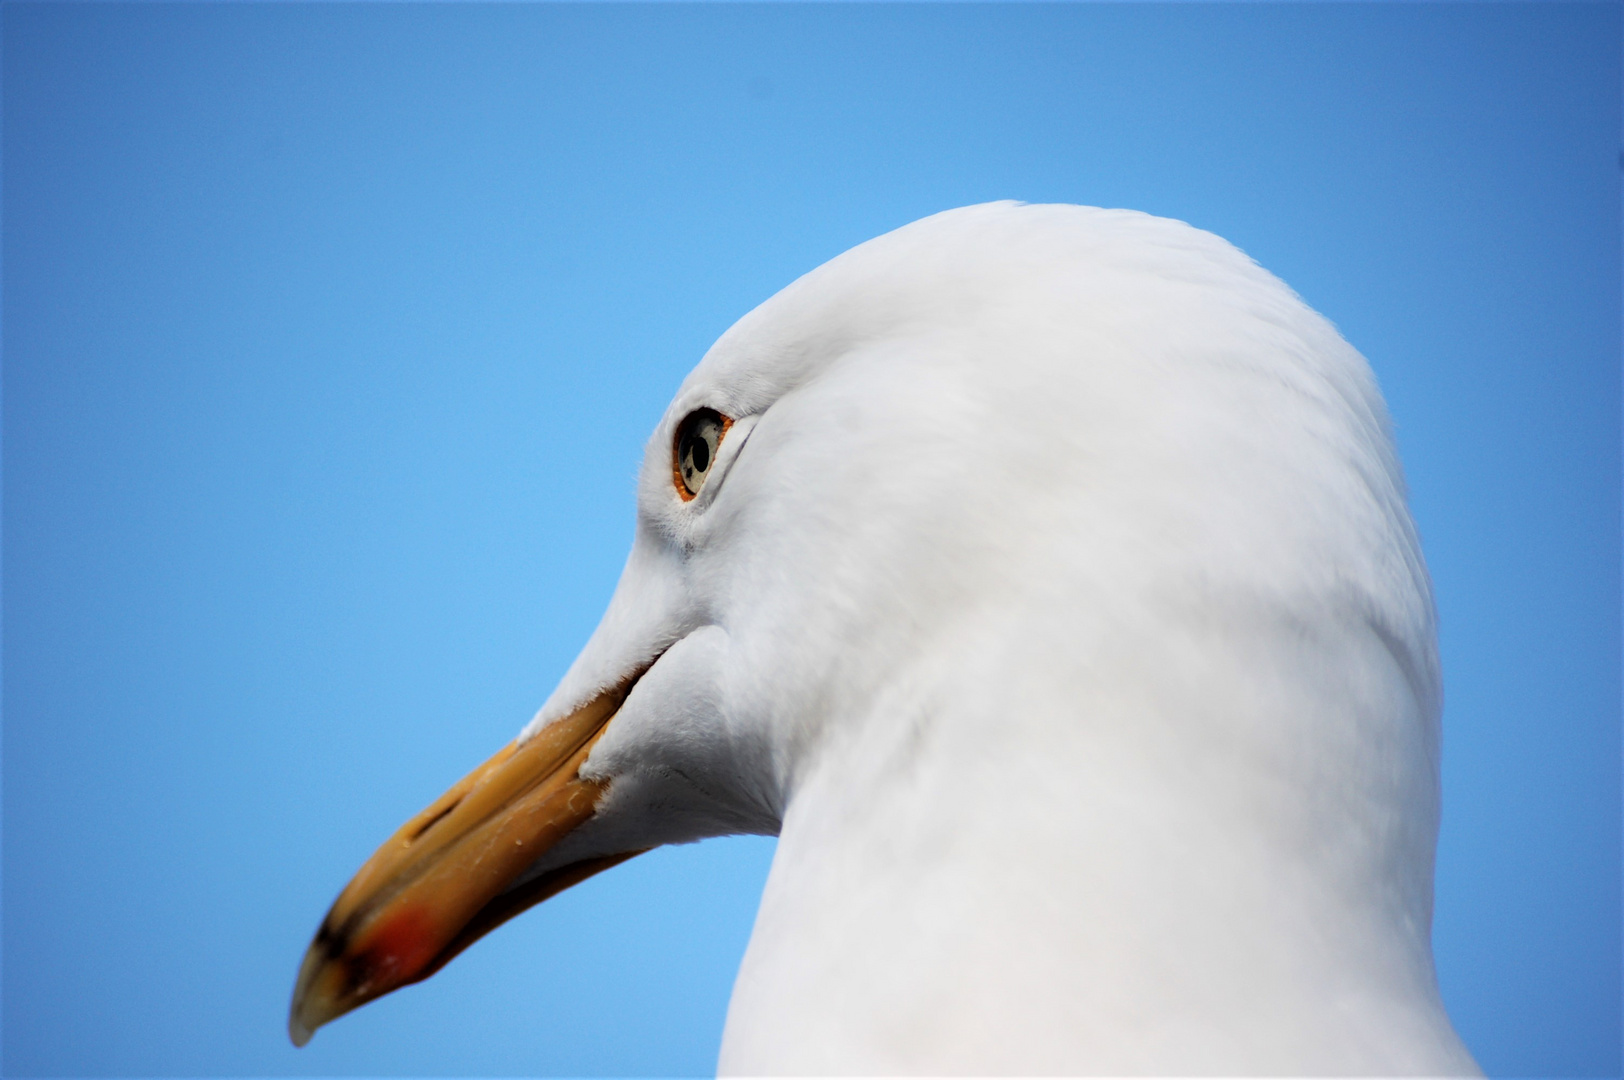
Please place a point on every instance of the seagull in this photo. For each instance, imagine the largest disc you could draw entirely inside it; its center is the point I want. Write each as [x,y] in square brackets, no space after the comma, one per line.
[1042,576]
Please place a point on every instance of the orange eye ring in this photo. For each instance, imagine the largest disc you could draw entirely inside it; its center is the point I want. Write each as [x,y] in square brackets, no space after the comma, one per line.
[694,446]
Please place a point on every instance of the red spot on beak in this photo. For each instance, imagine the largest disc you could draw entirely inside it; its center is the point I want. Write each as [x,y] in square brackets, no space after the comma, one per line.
[400,948]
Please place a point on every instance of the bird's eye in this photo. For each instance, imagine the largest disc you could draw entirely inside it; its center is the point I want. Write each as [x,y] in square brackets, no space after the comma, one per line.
[694,451]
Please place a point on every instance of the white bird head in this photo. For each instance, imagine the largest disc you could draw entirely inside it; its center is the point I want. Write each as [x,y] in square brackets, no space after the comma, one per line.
[1042,575]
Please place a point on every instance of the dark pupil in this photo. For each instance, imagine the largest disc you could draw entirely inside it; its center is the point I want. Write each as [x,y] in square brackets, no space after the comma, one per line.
[701,454]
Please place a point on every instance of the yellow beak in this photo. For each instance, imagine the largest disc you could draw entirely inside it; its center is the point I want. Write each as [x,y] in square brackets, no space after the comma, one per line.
[447,877]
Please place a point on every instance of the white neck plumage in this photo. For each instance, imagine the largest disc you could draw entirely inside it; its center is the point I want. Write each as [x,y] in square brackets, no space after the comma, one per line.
[1113,838]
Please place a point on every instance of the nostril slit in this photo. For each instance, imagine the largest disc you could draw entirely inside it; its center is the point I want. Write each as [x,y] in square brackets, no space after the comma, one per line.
[432,822]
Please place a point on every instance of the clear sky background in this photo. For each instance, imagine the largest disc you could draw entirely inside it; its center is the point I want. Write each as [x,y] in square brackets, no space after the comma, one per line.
[332,335]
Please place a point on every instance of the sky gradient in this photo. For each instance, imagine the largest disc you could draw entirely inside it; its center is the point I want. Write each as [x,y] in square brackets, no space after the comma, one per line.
[332,335]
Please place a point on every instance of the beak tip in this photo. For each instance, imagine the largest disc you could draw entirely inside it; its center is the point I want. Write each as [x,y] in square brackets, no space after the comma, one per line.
[305,1011]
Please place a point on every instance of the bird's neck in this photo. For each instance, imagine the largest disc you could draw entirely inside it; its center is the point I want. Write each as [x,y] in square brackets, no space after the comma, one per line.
[1119,856]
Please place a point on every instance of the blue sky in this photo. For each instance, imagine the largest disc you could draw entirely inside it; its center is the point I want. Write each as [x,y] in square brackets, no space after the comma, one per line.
[332,335]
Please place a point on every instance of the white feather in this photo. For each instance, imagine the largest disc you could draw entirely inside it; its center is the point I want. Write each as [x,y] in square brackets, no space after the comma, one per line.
[1056,602]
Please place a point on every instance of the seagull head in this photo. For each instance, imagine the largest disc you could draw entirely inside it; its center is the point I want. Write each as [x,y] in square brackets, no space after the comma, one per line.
[1003,457]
